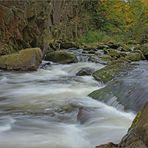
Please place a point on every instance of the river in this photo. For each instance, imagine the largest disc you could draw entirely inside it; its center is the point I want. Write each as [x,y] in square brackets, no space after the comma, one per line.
[50,108]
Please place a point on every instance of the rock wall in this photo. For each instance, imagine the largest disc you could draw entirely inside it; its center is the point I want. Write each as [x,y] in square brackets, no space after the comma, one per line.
[34,23]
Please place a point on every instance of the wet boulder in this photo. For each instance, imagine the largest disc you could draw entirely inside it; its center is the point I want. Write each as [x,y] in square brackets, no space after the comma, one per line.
[85,72]
[112,70]
[61,56]
[25,60]
[137,135]
[45,65]
[85,114]
[135,56]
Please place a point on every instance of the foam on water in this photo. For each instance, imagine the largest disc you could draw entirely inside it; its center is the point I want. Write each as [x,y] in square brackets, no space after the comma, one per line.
[34,112]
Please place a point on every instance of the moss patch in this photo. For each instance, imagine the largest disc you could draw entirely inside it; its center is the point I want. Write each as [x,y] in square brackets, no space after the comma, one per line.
[135,121]
[113,53]
[101,94]
[106,58]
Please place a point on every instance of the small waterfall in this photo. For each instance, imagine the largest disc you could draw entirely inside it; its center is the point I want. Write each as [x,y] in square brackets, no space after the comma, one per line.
[113,102]
[81,56]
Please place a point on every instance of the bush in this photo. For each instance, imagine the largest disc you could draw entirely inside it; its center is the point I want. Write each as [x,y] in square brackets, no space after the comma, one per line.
[94,36]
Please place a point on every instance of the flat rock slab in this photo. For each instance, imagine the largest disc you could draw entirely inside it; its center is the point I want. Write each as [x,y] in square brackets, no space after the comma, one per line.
[129,89]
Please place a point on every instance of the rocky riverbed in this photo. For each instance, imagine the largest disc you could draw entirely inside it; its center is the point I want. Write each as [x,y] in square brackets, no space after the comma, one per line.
[83,97]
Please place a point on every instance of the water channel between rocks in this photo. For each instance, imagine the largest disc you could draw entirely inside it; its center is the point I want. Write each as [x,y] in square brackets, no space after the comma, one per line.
[50,108]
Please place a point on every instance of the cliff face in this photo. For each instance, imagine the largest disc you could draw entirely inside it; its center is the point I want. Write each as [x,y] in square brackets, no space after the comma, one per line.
[34,23]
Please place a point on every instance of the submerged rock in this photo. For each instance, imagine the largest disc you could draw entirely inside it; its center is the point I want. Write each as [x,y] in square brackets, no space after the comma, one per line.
[85,114]
[137,136]
[25,60]
[85,72]
[45,65]
[61,57]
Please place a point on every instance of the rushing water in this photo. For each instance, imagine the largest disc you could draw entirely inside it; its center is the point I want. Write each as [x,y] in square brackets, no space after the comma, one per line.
[50,109]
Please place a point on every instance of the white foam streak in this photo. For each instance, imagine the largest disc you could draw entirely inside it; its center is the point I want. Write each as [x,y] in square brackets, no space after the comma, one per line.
[45,90]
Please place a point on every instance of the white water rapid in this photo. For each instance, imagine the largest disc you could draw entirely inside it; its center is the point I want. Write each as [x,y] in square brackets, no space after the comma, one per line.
[49,108]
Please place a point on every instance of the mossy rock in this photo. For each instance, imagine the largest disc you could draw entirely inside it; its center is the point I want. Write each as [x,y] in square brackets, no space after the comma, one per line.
[135,121]
[134,56]
[110,71]
[125,48]
[25,60]
[61,57]
[67,45]
[113,53]
[101,94]
[144,49]
[106,58]
[140,118]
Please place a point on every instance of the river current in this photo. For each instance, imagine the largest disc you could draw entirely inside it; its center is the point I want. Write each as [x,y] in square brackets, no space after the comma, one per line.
[50,108]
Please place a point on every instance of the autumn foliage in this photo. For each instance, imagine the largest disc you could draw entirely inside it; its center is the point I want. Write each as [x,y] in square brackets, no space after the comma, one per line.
[126,19]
